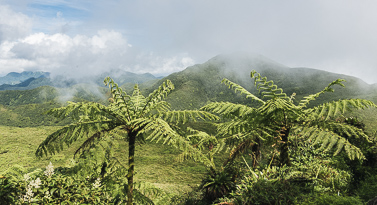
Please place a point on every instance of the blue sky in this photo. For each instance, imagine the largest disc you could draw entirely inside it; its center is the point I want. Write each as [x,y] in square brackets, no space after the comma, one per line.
[165,36]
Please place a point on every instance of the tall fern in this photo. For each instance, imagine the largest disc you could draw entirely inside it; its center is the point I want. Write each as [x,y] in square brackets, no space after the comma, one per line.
[134,115]
[278,118]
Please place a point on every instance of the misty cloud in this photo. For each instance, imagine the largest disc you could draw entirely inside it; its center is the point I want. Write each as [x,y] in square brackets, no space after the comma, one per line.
[166,36]
[82,55]
[13,25]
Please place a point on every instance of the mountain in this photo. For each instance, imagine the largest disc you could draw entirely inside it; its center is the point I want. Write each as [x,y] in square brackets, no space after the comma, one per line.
[28,84]
[30,80]
[194,87]
[201,83]
[16,78]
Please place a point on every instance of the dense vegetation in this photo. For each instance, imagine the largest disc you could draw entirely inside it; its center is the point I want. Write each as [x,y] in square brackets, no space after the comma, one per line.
[272,147]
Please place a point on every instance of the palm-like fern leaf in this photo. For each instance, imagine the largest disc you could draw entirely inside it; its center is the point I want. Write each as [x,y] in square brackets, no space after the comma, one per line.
[267,88]
[304,102]
[182,116]
[278,106]
[121,98]
[242,90]
[332,109]
[329,140]
[69,134]
[229,109]
[159,130]
[153,99]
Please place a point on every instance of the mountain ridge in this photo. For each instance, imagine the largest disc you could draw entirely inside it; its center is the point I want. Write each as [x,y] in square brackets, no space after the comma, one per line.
[204,81]
[194,87]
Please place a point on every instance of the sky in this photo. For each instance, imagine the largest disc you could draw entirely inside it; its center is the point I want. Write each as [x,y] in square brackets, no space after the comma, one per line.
[85,37]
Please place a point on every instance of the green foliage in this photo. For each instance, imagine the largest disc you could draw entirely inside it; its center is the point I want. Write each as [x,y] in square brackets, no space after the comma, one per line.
[278,117]
[367,189]
[23,97]
[218,184]
[134,116]
[325,199]
[30,115]
[61,186]
[7,191]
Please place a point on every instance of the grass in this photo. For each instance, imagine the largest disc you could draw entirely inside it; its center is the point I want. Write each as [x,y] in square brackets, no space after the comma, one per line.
[154,163]
[18,145]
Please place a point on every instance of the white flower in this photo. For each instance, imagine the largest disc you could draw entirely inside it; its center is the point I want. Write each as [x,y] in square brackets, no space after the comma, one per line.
[28,197]
[36,183]
[47,195]
[49,170]
[97,183]
[26,177]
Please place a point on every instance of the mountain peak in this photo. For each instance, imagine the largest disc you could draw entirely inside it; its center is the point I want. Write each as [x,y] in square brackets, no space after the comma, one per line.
[13,78]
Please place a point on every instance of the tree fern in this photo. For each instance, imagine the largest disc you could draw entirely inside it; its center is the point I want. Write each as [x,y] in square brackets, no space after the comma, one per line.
[137,116]
[278,118]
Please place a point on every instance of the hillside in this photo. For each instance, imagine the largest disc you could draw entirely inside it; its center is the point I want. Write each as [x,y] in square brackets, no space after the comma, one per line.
[199,84]
[194,87]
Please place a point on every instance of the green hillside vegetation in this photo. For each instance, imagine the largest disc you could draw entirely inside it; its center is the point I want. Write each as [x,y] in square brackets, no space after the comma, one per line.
[198,84]
[266,172]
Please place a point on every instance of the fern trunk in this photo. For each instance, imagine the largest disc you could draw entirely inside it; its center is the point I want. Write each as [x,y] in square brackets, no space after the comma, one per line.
[256,152]
[131,166]
[284,147]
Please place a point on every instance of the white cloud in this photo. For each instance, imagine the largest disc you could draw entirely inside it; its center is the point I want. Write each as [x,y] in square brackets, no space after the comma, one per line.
[166,36]
[83,55]
[13,25]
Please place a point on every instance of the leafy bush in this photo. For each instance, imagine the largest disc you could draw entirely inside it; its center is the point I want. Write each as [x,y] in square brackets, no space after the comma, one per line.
[217,184]
[265,191]
[7,190]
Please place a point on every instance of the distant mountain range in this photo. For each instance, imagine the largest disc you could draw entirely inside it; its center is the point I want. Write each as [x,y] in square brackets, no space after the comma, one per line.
[14,78]
[22,104]
[32,79]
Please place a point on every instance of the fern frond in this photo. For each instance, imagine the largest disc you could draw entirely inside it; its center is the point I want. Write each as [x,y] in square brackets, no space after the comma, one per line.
[229,109]
[332,109]
[345,129]
[121,98]
[273,106]
[160,131]
[329,140]
[137,100]
[267,88]
[91,140]
[153,99]
[69,134]
[182,116]
[304,102]
[242,90]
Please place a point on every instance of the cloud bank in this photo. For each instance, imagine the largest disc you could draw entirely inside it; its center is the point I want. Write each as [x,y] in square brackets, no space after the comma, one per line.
[78,55]
[160,37]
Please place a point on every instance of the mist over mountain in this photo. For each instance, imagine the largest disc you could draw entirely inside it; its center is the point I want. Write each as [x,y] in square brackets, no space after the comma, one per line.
[13,78]
[194,87]
[33,79]
[201,83]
